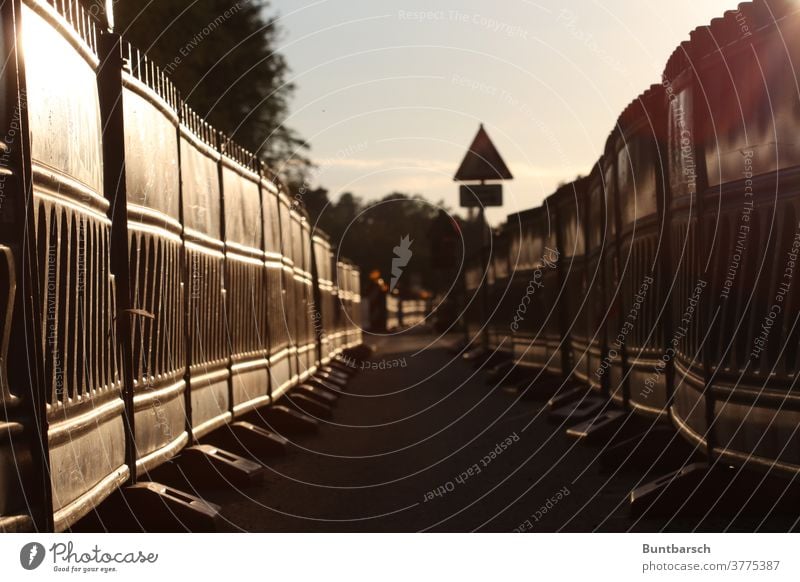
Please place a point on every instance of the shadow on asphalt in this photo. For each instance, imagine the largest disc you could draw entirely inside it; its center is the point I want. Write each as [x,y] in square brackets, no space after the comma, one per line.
[421,442]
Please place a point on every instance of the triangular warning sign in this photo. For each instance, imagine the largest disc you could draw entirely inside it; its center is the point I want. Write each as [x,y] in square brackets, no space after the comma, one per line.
[483,161]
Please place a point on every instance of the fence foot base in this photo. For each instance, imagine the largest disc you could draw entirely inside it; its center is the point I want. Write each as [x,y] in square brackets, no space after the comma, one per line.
[672,493]
[602,427]
[335,381]
[149,506]
[316,393]
[458,346]
[332,368]
[658,448]
[330,373]
[474,355]
[324,385]
[250,441]
[360,352]
[346,366]
[158,507]
[286,421]
[578,410]
[307,405]
[721,490]
[534,387]
[501,372]
[210,466]
[567,394]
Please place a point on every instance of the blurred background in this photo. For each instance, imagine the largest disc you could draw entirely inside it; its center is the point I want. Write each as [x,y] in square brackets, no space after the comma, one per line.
[366,109]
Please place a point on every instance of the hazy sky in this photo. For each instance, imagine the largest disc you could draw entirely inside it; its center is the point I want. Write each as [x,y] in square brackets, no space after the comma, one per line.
[390,94]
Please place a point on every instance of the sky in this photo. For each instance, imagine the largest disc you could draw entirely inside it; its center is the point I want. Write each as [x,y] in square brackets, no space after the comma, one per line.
[390,94]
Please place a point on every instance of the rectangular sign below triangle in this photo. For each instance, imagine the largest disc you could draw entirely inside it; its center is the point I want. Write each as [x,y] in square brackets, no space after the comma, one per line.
[476,196]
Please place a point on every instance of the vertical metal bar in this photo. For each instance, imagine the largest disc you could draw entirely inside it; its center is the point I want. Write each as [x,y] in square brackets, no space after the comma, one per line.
[664,247]
[184,118]
[109,82]
[223,146]
[21,234]
[614,206]
[704,238]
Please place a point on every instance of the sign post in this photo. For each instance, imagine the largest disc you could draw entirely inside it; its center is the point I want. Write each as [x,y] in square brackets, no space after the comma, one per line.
[482,163]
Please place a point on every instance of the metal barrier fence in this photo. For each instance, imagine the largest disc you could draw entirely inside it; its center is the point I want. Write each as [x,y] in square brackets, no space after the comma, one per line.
[392,312]
[672,288]
[473,307]
[81,399]
[149,272]
[154,284]
[499,297]
[403,313]
[640,194]
[529,260]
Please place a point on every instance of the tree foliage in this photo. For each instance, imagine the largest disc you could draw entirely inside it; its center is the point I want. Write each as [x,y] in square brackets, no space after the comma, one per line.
[221,54]
[368,233]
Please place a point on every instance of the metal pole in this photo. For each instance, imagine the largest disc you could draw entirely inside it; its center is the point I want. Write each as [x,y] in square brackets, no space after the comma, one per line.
[109,81]
[20,234]
[485,241]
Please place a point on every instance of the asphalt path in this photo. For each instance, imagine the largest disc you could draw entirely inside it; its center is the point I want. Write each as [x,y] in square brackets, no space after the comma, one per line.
[421,442]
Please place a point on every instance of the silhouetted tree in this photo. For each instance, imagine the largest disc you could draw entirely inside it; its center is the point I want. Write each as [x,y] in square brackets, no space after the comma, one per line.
[222,56]
[368,233]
